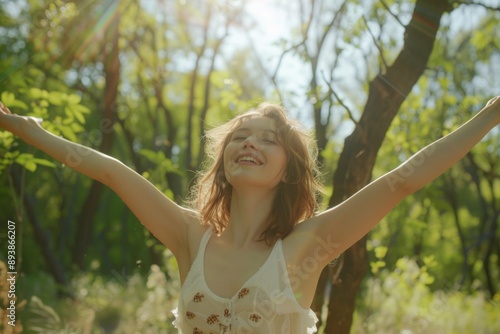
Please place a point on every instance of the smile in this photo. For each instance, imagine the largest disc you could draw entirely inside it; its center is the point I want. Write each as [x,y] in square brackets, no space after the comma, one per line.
[248,158]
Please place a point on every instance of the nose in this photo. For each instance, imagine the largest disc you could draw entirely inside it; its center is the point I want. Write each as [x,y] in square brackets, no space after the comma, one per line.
[250,142]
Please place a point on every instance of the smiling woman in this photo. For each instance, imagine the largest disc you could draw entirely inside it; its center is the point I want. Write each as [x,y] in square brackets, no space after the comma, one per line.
[286,158]
[260,183]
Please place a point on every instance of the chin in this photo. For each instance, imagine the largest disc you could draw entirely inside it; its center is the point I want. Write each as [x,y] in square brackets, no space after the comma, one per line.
[242,182]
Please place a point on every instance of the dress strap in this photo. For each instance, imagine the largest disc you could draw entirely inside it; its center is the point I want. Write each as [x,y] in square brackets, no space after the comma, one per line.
[204,242]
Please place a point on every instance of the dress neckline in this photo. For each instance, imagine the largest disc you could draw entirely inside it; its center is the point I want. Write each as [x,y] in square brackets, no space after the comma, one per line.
[247,282]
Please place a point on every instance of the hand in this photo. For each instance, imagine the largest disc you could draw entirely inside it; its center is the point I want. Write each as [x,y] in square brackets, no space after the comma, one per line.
[15,123]
[4,110]
[493,106]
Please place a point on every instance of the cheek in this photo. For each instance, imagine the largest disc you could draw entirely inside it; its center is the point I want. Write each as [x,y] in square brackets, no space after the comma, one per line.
[281,160]
[230,169]
[227,155]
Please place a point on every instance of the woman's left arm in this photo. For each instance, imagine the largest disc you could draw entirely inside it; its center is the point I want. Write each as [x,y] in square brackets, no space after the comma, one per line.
[346,223]
[439,156]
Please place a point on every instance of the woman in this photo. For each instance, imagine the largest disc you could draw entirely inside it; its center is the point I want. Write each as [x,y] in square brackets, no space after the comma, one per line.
[251,251]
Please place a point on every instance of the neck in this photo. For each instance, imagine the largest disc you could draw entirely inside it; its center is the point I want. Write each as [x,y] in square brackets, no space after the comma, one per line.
[249,211]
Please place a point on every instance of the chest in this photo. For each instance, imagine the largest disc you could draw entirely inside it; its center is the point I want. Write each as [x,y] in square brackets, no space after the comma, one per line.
[228,270]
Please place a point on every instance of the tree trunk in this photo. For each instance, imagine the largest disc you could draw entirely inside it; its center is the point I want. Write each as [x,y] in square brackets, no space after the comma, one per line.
[112,75]
[387,92]
[42,237]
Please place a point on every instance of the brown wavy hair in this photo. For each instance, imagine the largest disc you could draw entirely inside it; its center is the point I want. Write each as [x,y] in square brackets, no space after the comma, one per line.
[297,198]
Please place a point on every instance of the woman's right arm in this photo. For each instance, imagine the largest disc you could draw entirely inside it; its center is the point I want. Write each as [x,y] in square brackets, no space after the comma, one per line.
[161,216]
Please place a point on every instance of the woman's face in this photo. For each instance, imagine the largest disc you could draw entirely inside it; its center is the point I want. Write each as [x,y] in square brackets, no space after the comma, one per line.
[254,157]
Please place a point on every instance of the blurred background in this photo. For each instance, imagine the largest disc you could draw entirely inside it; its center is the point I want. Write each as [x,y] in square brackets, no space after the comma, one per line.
[374,81]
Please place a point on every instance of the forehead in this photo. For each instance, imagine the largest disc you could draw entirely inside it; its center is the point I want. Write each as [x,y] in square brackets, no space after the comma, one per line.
[257,123]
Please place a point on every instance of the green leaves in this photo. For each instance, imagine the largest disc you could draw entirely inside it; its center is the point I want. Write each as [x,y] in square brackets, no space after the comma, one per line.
[380,253]
[27,160]
[70,103]
[157,158]
[161,166]
[62,114]
[61,99]
[481,39]
[9,99]
[404,299]
[65,108]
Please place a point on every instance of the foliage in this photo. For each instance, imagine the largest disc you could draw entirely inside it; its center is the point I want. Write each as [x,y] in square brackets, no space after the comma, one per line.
[402,301]
[123,304]
[398,301]
[66,118]
[454,216]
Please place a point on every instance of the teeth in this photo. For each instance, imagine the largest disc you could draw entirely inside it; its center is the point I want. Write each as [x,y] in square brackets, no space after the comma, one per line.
[248,159]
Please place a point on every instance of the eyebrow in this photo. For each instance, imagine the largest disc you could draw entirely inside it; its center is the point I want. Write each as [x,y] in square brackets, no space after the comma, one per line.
[249,129]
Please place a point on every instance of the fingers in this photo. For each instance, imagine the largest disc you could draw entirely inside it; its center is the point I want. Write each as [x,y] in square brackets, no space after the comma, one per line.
[4,108]
[493,100]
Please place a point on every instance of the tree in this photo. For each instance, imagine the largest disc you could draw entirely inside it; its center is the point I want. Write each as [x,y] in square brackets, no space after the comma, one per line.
[387,92]
[107,52]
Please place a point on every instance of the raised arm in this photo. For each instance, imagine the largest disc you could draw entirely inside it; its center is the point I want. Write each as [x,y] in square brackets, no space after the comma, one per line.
[346,223]
[165,219]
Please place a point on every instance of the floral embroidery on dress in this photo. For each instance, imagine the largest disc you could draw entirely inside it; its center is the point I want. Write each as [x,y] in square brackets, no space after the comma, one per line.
[198,297]
[254,317]
[243,292]
[197,331]
[190,315]
[212,319]
[226,313]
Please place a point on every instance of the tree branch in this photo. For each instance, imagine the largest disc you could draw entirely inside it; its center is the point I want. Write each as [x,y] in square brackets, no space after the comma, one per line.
[392,14]
[476,4]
